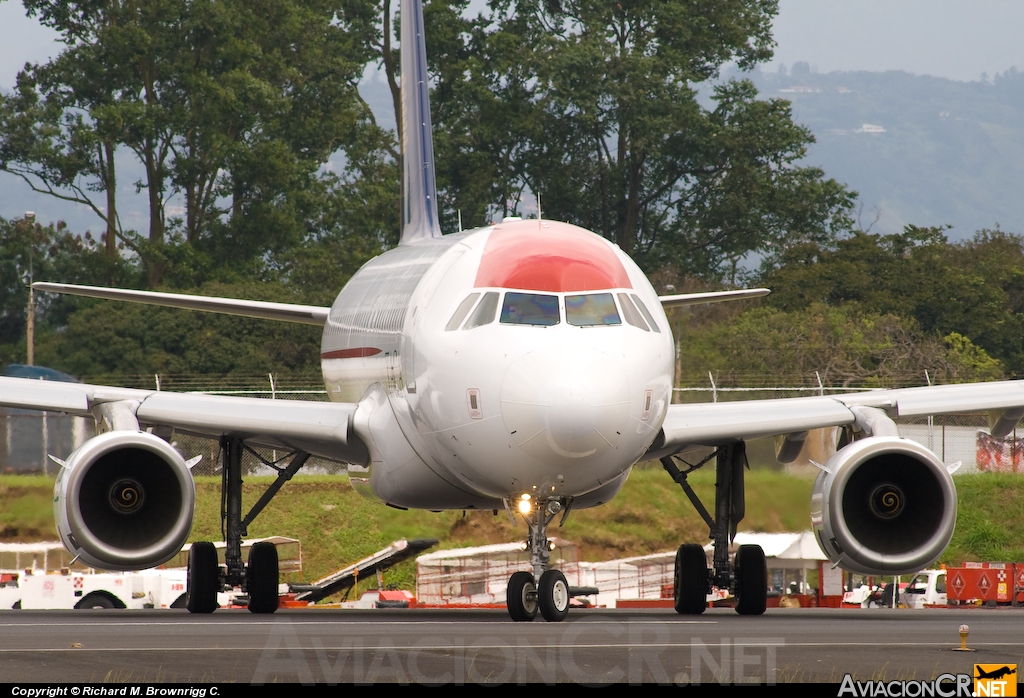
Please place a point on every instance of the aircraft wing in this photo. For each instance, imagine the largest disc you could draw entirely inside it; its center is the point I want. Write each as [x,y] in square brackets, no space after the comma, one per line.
[284,312]
[320,428]
[683,300]
[704,424]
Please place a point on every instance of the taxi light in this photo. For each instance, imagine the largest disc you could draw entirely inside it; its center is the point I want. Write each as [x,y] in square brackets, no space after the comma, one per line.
[524,506]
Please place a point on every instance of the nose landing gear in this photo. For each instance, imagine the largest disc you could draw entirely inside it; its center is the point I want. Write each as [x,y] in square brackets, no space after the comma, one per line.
[545,589]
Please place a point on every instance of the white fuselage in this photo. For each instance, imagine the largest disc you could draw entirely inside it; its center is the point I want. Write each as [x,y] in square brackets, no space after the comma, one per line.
[518,358]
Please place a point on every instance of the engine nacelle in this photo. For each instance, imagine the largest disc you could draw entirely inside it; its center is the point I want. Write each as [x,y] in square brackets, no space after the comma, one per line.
[884,505]
[124,501]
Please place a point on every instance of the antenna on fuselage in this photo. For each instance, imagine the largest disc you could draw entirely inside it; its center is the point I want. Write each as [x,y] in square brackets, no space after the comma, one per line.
[419,189]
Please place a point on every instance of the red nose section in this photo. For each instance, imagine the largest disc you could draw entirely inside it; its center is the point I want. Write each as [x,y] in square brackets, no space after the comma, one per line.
[556,257]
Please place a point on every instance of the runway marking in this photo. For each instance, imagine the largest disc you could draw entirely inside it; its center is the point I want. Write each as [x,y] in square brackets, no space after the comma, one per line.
[349,648]
[214,624]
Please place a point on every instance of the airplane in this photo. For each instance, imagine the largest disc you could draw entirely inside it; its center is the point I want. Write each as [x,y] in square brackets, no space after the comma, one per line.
[995,673]
[524,366]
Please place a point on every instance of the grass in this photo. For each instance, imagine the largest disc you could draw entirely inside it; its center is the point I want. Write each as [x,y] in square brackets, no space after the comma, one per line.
[337,526]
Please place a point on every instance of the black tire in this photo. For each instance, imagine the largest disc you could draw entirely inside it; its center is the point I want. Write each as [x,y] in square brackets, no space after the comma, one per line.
[751,580]
[521,597]
[203,578]
[553,596]
[262,578]
[17,605]
[96,600]
[691,580]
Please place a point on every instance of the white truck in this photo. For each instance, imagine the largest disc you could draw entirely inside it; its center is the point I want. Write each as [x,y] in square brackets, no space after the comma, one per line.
[145,589]
[926,588]
[42,576]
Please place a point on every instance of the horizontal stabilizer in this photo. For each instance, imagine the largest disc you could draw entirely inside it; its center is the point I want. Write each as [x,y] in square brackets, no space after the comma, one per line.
[684,299]
[285,312]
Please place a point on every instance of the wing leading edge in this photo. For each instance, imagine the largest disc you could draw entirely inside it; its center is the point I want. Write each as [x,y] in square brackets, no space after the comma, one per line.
[285,312]
[321,429]
[715,424]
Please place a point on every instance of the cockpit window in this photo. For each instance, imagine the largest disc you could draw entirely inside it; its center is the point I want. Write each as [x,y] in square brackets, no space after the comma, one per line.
[630,311]
[591,309]
[530,309]
[646,312]
[461,312]
[484,313]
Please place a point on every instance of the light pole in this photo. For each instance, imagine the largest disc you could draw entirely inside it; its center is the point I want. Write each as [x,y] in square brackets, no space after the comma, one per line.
[30,219]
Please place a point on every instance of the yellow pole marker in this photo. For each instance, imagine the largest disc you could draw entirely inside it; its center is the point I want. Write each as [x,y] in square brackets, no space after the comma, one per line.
[964,632]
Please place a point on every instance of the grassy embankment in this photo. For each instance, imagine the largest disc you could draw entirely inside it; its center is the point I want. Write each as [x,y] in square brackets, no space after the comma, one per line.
[336,526]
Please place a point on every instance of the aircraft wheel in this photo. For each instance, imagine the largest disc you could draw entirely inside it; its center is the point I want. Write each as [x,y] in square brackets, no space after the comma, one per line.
[262,578]
[751,581]
[203,578]
[553,596]
[522,597]
[691,579]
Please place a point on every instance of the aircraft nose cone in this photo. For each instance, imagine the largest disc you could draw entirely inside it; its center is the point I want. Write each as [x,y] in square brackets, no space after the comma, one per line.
[564,405]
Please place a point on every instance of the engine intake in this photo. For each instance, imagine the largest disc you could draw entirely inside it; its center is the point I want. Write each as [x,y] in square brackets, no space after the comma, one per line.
[884,505]
[124,501]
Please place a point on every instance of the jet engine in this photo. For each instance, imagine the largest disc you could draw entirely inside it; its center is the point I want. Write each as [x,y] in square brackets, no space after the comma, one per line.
[124,501]
[883,505]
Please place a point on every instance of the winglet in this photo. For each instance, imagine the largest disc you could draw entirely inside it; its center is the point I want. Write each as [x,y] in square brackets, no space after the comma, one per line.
[419,189]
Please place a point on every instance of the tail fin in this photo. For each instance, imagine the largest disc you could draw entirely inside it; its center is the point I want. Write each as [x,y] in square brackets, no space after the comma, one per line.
[419,190]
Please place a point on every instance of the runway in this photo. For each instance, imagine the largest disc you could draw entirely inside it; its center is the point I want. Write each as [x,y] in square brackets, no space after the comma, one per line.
[595,647]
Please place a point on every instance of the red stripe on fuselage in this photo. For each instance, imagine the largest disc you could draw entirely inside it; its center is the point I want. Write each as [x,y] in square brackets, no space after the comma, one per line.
[556,257]
[357,352]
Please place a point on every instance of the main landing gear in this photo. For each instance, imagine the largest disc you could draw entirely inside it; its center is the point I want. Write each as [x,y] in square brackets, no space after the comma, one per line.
[544,589]
[259,578]
[746,575]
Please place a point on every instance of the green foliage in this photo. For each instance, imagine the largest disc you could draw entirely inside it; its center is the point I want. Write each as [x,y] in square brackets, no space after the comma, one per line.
[234,105]
[336,526]
[26,508]
[595,107]
[974,289]
[847,345]
[108,339]
[987,527]
[29,250]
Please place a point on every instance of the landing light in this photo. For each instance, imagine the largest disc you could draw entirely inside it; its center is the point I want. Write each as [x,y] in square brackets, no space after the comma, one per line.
[524,506]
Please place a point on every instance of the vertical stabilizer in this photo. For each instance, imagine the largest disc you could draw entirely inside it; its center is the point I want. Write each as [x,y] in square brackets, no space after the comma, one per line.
[419,190]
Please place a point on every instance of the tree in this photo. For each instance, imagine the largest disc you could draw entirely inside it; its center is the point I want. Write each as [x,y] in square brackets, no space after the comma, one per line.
[973,288]
[596,106]
[846,345]
[233,105]
[31,251]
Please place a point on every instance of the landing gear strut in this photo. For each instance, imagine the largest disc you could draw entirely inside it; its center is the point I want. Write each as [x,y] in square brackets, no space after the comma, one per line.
[746,576]
[259,579]
[545,589]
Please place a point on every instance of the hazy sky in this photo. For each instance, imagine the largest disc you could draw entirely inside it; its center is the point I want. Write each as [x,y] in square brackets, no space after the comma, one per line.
[946,38]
